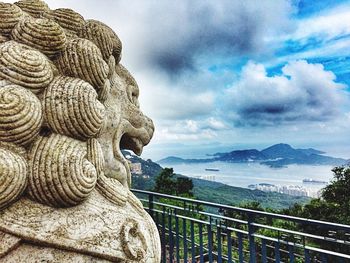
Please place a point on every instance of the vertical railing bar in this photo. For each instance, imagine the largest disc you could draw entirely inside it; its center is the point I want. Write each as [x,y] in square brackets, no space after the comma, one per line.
[156,219]
[251,230]
[263,251]
[240,247]
[291,254]
[193,247]
[171,244]
[177,239]
[229,246]
[324,258]
[184,230]
[307,256]
[218,238]
[150,205]
[163,236]
[201,256]
[277,252]
[210,243]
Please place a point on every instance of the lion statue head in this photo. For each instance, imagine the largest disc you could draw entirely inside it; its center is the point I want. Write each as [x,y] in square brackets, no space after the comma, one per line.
[67,109]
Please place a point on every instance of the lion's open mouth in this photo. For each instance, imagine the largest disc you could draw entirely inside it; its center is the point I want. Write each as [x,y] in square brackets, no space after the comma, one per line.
[127,137]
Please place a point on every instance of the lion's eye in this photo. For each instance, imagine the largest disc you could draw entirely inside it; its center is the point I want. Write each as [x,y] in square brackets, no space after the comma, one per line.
[133,95]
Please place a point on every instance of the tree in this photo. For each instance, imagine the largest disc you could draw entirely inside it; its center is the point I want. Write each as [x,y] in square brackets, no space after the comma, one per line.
[184,186]
[334,204]
[165,182]
[169,183]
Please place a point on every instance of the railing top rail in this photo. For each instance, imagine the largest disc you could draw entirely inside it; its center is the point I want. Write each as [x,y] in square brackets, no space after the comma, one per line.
[248,211]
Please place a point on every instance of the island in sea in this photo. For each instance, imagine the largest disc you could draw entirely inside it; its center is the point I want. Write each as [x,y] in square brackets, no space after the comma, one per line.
[275,156]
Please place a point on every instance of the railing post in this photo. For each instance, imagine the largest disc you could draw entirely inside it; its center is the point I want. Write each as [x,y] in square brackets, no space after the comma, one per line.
[150,205]
[251,230]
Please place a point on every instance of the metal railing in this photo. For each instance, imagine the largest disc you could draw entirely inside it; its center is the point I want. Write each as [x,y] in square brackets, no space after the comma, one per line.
[199,231]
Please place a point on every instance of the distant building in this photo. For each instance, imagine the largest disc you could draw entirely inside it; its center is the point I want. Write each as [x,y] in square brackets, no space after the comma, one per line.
[135,168]
[294,190]
[206,177]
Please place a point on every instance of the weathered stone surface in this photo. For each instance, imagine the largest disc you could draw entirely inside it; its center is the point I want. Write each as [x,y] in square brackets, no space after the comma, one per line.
[71,108]
[33,7]
[25,66]
[8,243]
[10,15]
[20,114]
[67,108]
[83,59]
[67,19]
[30,31]
[13,170]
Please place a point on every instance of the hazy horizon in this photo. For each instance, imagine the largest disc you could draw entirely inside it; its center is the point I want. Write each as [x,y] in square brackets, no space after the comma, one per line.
[203,150]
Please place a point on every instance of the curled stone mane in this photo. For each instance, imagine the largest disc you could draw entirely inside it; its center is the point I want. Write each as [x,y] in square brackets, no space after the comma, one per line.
[67,109]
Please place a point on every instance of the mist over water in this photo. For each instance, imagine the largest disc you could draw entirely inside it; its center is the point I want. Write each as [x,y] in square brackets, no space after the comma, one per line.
[244,174]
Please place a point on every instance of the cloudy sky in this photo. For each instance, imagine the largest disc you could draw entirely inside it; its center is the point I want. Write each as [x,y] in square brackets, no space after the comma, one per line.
[222,75]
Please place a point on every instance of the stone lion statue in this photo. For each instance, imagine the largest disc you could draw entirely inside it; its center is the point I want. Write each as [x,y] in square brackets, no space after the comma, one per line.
[67,108]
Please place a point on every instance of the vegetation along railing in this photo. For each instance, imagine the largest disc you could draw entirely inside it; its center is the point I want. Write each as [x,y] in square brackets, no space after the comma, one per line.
[199,231]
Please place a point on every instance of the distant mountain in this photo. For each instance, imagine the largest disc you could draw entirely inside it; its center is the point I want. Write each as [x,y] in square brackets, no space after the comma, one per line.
[310,151]
[178,160]
[241,156]
[312,159]
[277,156]
[172,160]
[282,150]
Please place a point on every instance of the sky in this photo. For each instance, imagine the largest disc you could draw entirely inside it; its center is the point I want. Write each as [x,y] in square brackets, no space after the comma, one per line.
[224,75]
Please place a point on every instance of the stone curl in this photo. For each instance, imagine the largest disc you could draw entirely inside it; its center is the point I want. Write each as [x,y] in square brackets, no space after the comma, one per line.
[95,155]
[20,114]
[24,66]
[66,18]
[13,174]
[35,8]
[10,15]
[104,37]
[42,34]
[81,58]
[59,173]
[71,108]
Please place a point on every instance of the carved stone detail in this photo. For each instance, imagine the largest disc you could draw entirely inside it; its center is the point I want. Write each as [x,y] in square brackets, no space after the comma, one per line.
[83,59]
[8,243]
[10,15]
[30,30]
[60,175]
[133,241]
[33,7]
[71,108]
[67,109]
[20,114]
[13,174]
[67,19]
[24,66]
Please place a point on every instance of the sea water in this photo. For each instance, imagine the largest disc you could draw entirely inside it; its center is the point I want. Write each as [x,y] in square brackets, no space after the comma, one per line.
[244,174]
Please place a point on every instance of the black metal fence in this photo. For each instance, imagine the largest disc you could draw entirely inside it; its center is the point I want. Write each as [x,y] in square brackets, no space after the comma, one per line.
[199,231]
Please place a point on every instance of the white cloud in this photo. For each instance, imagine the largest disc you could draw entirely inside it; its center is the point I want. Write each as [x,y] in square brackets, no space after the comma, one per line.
[190,130]
[304,92]
[333,23]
